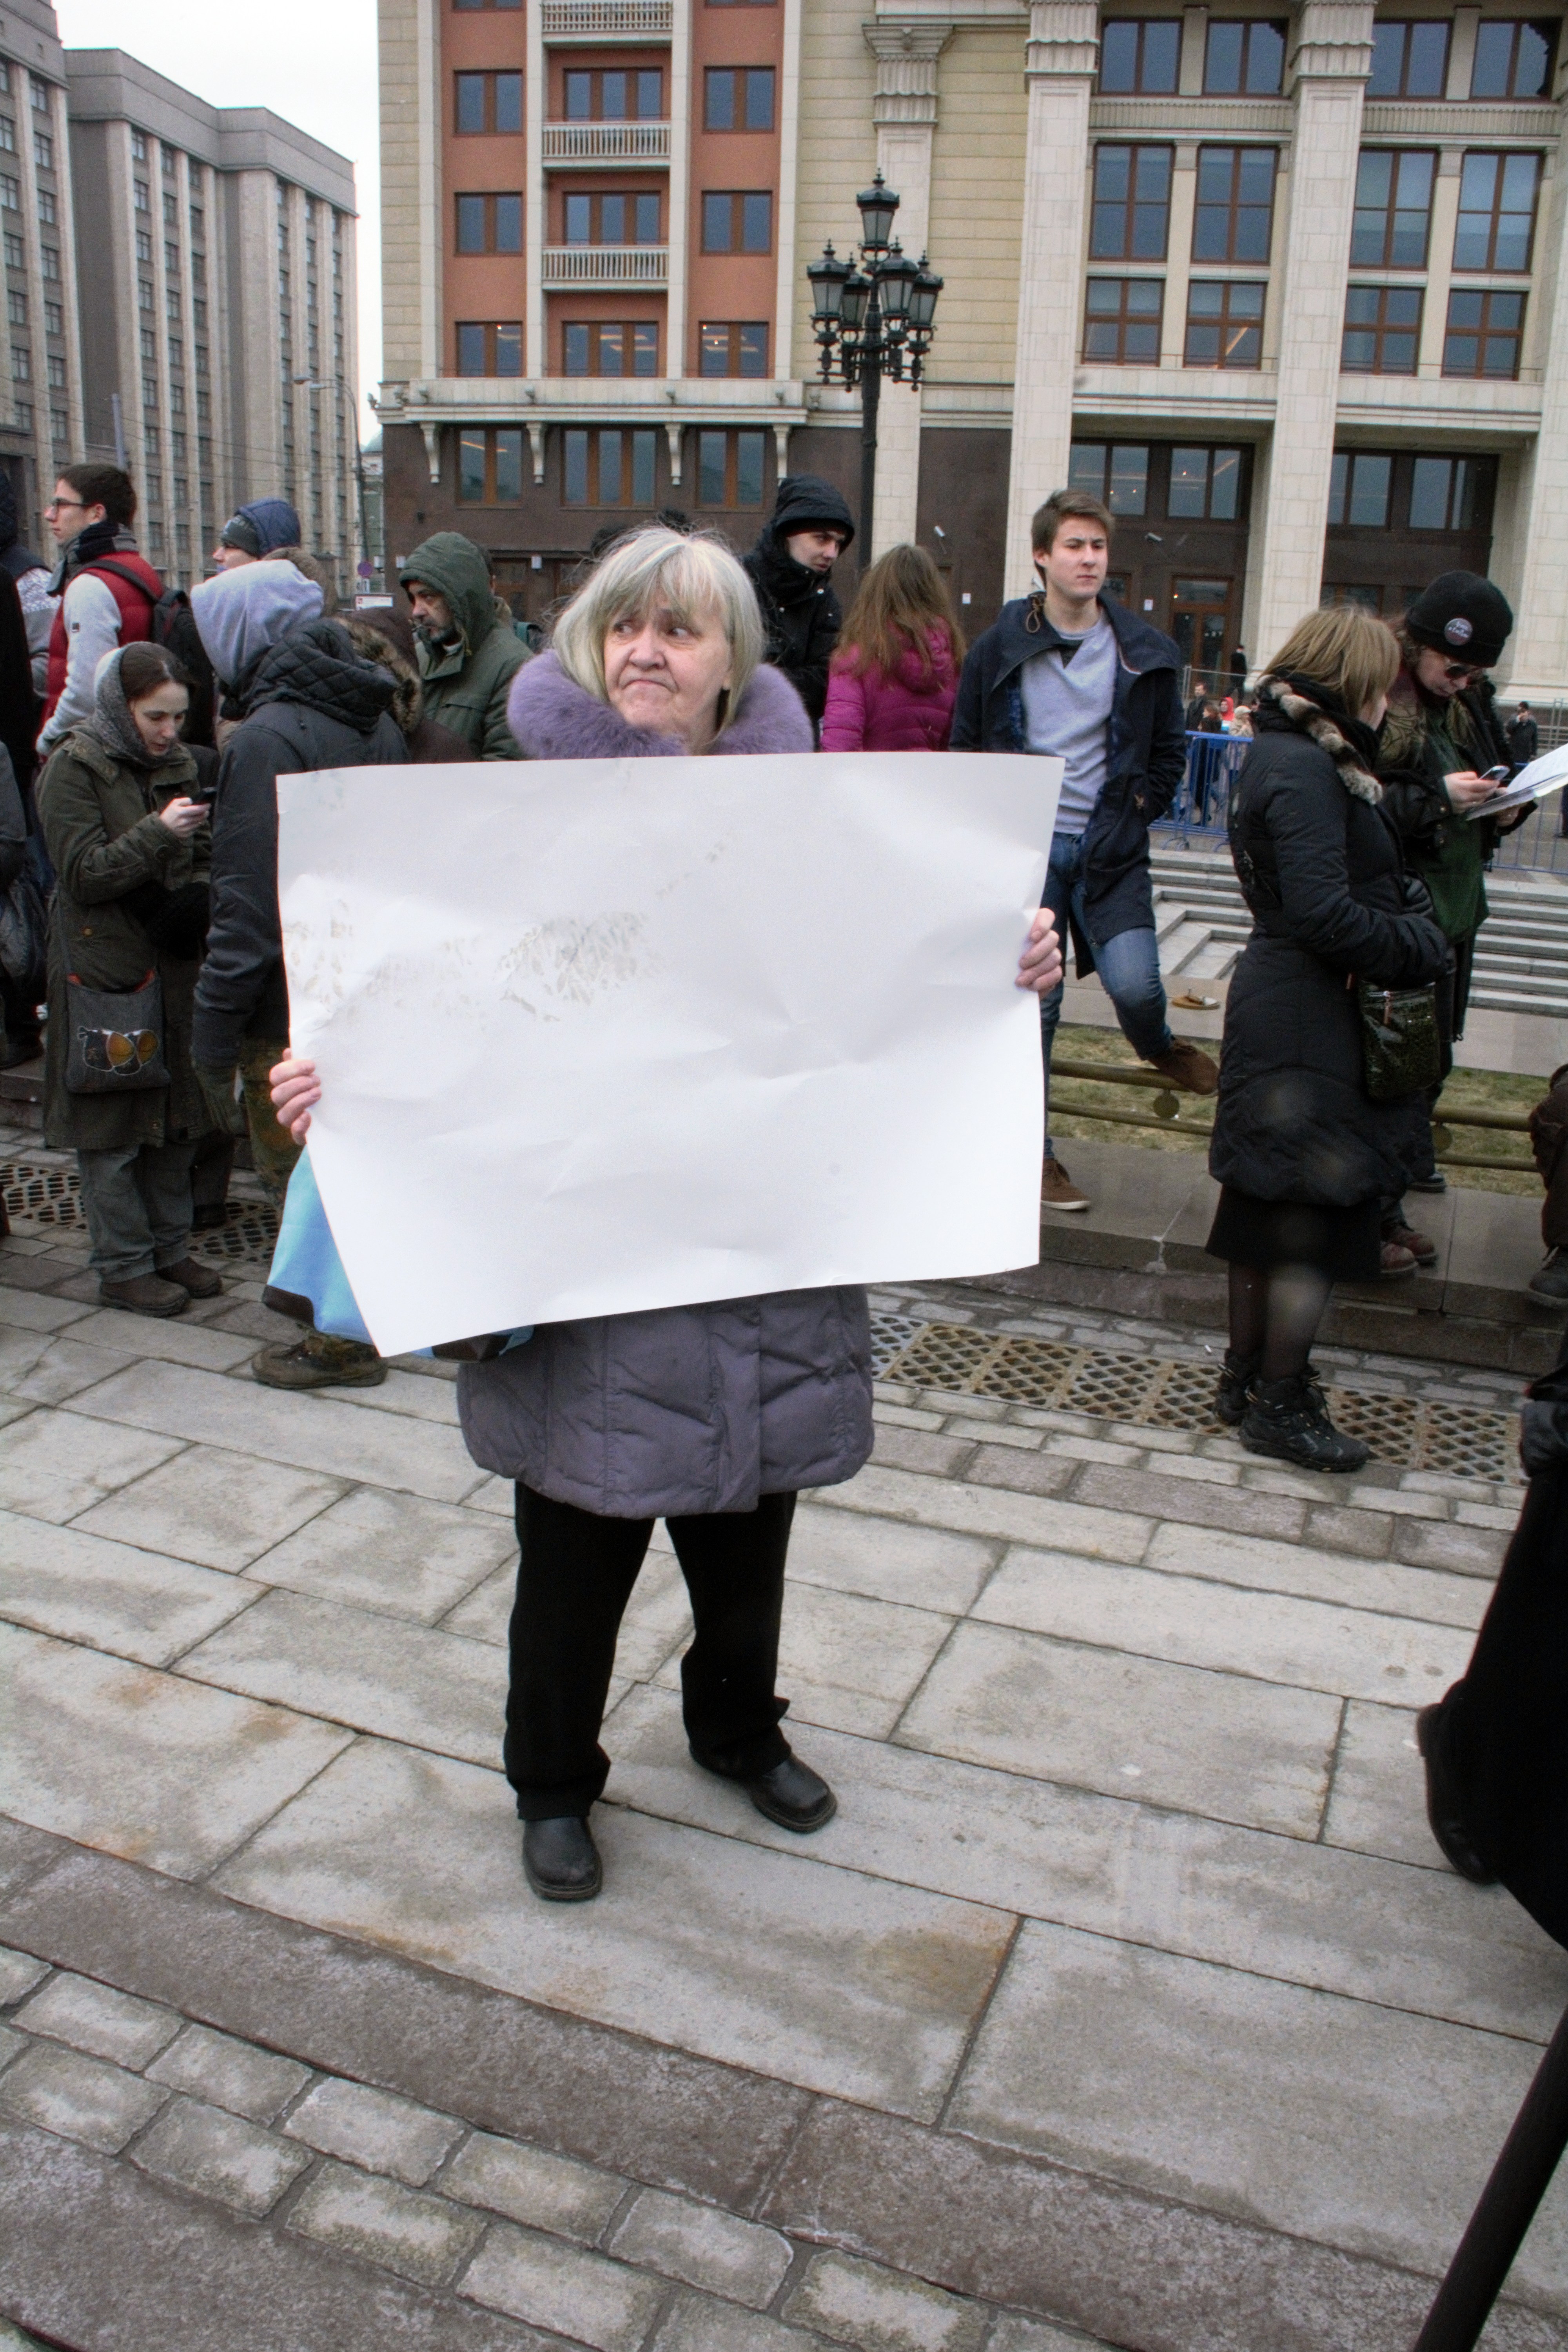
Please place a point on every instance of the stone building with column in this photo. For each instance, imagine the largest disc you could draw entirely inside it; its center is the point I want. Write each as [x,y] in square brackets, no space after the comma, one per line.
[1284,286]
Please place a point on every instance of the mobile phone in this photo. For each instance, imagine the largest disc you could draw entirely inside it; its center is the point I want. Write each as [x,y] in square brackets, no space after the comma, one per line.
[1497,776]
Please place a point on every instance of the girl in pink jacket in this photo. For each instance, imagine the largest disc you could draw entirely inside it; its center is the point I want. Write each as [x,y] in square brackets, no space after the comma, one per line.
[895,674]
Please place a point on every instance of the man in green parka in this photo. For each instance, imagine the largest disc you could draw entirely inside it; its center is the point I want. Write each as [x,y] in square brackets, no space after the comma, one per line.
[469,654]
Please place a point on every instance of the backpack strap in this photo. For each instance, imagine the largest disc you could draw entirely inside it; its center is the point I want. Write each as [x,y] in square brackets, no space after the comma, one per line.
[131,578]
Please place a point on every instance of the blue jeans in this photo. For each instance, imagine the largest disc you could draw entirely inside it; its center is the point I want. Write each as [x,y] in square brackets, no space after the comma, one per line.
[1127,965]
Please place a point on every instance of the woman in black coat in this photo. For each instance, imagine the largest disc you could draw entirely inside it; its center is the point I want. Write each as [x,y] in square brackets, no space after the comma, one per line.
[1304,1155]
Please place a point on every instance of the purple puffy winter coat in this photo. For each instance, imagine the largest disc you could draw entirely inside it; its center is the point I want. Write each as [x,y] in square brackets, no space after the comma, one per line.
[903,709]
[685,1409]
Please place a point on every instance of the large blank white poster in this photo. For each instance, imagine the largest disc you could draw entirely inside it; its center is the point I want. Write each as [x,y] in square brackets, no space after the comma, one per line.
[603,1036]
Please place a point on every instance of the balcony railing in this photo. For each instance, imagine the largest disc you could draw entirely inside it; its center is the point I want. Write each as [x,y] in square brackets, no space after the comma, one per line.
[606,142]
[607,265]
[607,20]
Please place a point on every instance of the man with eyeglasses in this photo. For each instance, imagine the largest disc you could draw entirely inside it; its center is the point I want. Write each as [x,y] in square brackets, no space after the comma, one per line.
[106,590]
[1440,737]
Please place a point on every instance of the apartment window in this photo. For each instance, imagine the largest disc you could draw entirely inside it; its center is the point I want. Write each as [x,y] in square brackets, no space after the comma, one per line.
[44,149]
[143,245]
[53,318]
[609,467]
[738,97]
[39,93]
[1449,493]
[635,95]
[21,363]
[171,305]
[1140,53]
[56,373]
[1393,209]
[1114,471]
[731,348]
[201,361]
[10,194]
[150,435]
[171,211]
[1242,60]
[730,469]
[1359,485]
[1409,60]
[738,221]
[1234,211]
[1497,212]
[491,347]
[611,219]
[1121,321]
[17,253]
[7,135]
[1204,484]
[198,314]
[23,411]
[172,258]
[607,347]
[149,344]
[1512,60]
[489,464]
[145,298]
[48,262]
[16,309]
[1131,212]
[198,225]
[176,397]
[1483,333]
[47,208]
[5,80]
[1225,324]
[489,224]
[489,102]
[59,427]
[1382,328]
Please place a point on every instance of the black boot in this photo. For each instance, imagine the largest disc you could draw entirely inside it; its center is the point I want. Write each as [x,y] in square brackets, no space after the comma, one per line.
[1289,1419]
[1444,1809]
[1237,1378]
[561,1861]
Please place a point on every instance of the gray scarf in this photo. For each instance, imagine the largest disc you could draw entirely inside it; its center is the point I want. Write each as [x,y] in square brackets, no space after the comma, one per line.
[112,725]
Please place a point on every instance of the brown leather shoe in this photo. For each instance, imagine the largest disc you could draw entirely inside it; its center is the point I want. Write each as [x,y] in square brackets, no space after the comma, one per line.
[1393,1263]
[319,1361]
[1186,1067]
[201,1281]
[144,1294]
[1423,1251]
[1056,1189]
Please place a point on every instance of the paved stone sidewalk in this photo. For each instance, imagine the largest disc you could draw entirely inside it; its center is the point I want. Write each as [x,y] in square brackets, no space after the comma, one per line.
[1126,2003]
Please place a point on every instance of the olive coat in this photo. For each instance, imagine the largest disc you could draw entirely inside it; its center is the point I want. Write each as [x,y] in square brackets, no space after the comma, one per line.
[100,819]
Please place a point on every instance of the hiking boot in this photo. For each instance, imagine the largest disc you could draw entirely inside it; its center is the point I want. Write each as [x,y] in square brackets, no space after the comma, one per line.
[1445,1813]
[201,1281]
[1288,1418]
[1393,1262]
[1550,1279]
[319,1361]
[1237,1378]
[1186,1067]
[144,1294]
[1056,1189]
[1423,1251]
[1436,1182]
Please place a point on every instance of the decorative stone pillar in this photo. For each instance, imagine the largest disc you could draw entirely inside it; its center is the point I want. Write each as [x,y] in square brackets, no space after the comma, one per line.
[1332,61]
[1058,71]
[904,112]
[1530,562]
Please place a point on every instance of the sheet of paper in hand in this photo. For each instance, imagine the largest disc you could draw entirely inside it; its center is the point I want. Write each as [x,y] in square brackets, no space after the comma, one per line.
[601,1035]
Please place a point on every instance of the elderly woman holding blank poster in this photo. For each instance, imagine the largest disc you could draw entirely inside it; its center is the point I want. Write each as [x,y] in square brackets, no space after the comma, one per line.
[711,1417]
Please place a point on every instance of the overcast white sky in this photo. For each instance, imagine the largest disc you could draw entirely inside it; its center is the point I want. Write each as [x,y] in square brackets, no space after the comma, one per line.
[312,61]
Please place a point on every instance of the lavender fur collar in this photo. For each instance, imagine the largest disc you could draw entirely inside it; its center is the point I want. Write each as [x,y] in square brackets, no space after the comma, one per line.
[554,719]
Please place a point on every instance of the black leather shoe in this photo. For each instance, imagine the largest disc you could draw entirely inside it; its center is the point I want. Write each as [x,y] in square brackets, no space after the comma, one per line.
[1237,1378]
[561,1861]
[793,1795]
[1443,1809]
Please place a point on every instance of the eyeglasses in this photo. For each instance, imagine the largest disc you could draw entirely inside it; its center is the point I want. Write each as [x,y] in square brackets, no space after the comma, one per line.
[1458,670]
[59,506]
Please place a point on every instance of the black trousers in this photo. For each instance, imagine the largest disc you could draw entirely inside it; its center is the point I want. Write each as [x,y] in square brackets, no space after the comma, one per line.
[574,1578]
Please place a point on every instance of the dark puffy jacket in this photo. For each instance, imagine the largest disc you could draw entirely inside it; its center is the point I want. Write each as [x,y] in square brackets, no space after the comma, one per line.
[800,611]
[309,702]
[1146,757]
[1319,866]
[685,1409]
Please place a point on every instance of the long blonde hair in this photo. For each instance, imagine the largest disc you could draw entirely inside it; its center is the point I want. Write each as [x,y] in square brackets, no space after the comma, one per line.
[1345,650]
[694,576]
[899,601]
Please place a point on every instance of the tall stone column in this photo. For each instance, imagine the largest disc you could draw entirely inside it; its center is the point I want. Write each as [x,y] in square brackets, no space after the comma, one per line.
[1530,562]
[904,112]
[1058,71]
[1331,60]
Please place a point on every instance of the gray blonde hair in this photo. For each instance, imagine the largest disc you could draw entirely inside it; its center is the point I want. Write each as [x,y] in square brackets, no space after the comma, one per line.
[693,578]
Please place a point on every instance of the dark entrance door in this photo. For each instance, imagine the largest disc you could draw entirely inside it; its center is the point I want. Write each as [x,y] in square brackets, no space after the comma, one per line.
[534,585]
[1200,624]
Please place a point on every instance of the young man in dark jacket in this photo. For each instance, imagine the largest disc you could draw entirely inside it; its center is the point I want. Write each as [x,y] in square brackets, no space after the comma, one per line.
[1067,670]
[809,529]
[1524,737]
[308,701]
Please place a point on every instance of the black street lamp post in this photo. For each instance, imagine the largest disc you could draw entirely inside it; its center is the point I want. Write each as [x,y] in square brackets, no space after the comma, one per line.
[873,317]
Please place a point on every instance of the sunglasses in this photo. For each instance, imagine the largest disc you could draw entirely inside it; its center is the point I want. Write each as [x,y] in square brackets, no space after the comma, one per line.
[1457,670]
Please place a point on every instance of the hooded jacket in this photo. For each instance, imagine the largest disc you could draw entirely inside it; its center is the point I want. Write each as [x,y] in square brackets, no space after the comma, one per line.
[465,683]
[1318,858]
[1146,755]
[800,611]
[308,701]
[907,708]
[686,1409]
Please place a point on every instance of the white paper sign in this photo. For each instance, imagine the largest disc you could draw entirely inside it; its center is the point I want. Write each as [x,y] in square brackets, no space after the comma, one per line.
[603,1035]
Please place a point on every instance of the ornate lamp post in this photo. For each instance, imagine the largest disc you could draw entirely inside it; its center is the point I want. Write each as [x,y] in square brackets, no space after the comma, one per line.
[874,316]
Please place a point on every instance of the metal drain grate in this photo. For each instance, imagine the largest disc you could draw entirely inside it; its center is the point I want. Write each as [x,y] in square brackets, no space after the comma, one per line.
[1112,1384]
[38,1198]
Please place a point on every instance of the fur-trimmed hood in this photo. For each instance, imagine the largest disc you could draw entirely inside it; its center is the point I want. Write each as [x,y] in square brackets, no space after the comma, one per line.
[554,718]
[1279,702]
[374,644]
